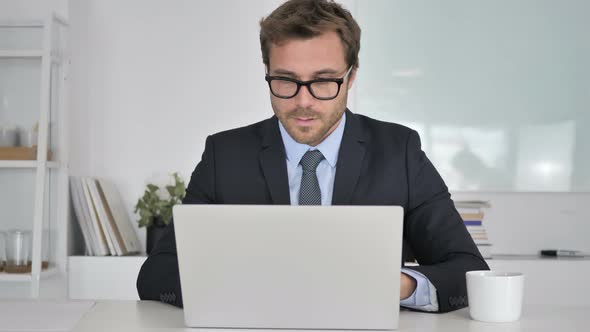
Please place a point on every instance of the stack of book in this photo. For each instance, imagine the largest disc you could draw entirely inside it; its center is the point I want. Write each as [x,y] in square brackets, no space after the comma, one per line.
[472,213]
[103,219]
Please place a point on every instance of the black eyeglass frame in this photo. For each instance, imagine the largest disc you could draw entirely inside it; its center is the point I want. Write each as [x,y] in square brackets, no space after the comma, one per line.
[307,84]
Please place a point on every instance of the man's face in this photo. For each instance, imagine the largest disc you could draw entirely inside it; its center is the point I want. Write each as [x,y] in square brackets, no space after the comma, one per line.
[307,119]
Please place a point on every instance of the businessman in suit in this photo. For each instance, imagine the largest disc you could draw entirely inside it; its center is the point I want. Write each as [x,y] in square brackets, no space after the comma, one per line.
[315,151]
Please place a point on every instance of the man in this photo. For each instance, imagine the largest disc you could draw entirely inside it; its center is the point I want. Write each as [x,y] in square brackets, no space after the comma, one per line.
[315,151]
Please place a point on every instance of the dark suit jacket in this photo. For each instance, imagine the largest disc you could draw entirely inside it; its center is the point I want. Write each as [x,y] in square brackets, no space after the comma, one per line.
[379,163]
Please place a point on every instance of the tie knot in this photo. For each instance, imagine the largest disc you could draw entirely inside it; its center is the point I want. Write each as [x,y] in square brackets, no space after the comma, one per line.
[311,160]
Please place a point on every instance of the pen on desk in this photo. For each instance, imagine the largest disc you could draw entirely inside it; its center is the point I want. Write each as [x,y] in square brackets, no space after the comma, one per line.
[561,253]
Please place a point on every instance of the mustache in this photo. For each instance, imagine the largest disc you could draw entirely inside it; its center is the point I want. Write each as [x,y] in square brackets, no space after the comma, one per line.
[304,113]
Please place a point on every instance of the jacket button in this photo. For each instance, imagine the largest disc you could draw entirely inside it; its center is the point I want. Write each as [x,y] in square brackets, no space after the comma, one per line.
[165,297]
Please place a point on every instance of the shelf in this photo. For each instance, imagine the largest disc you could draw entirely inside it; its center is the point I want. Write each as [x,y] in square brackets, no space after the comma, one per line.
[21,54]
[26,277]
[32,23]
[53,164]
[20,153]
[35,50]
[28,54]
[18,164]
[506,257]
[26,164]
[21,24]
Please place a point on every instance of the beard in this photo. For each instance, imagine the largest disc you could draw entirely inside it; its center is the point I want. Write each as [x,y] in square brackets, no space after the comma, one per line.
[325,120]
[321,127]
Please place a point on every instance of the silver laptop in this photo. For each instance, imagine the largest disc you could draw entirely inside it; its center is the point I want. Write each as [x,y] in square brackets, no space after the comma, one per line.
[290,267]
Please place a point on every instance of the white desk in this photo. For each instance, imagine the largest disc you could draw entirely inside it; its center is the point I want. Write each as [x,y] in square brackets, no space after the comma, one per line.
[133,316]
[114,278]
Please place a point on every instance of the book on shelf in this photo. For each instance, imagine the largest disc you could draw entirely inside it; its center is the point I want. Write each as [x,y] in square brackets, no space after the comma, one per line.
[99,210]
[475,228]
[117,215]
[83,215]
[479,236]
[472,205]
[82,218]
[102,217]
[472,222]
[472,213]
[95,222]
[472,216]
[89,248]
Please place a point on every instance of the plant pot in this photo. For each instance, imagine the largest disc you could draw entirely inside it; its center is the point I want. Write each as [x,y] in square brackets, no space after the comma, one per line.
[154,234]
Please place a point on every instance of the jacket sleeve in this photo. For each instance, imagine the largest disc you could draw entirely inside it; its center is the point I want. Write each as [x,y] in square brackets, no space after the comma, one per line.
[158,277]
[435,231]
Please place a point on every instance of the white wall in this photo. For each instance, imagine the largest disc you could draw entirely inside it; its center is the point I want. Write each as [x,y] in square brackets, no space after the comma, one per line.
[147,82]
[31,9]
[148,85]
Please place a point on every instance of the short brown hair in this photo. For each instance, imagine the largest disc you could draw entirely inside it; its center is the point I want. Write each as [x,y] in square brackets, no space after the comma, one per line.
[304,19]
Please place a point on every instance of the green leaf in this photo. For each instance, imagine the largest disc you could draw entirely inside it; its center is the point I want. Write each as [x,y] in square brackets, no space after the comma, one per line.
[145,222]
[151,206]
[179,192]
[170,190]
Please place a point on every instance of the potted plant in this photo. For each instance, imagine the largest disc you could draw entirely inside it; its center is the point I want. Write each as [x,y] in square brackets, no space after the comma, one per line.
[155,211]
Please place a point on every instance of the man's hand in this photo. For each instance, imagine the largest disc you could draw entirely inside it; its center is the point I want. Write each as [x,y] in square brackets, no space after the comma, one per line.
[408,286]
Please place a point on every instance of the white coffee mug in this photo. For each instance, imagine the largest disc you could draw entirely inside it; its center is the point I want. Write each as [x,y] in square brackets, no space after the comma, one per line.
[495,296]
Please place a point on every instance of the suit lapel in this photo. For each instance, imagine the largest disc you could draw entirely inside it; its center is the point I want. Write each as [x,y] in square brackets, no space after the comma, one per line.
[273,162]
[350,161]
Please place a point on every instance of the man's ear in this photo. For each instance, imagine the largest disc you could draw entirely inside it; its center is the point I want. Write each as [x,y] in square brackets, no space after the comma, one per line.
[351,78]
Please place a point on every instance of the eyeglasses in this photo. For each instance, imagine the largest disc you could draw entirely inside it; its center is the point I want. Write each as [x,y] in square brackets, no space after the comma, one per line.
[321,88]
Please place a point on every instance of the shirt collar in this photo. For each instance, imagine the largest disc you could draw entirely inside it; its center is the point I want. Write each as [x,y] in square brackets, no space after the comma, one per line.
[329,147]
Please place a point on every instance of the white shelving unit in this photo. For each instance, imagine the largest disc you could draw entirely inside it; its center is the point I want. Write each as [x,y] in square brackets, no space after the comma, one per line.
[27,164]
[31,54]
[28,277]
[21,54]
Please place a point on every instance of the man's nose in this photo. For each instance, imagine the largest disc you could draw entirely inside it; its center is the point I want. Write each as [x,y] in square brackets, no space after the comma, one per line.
[304,99]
